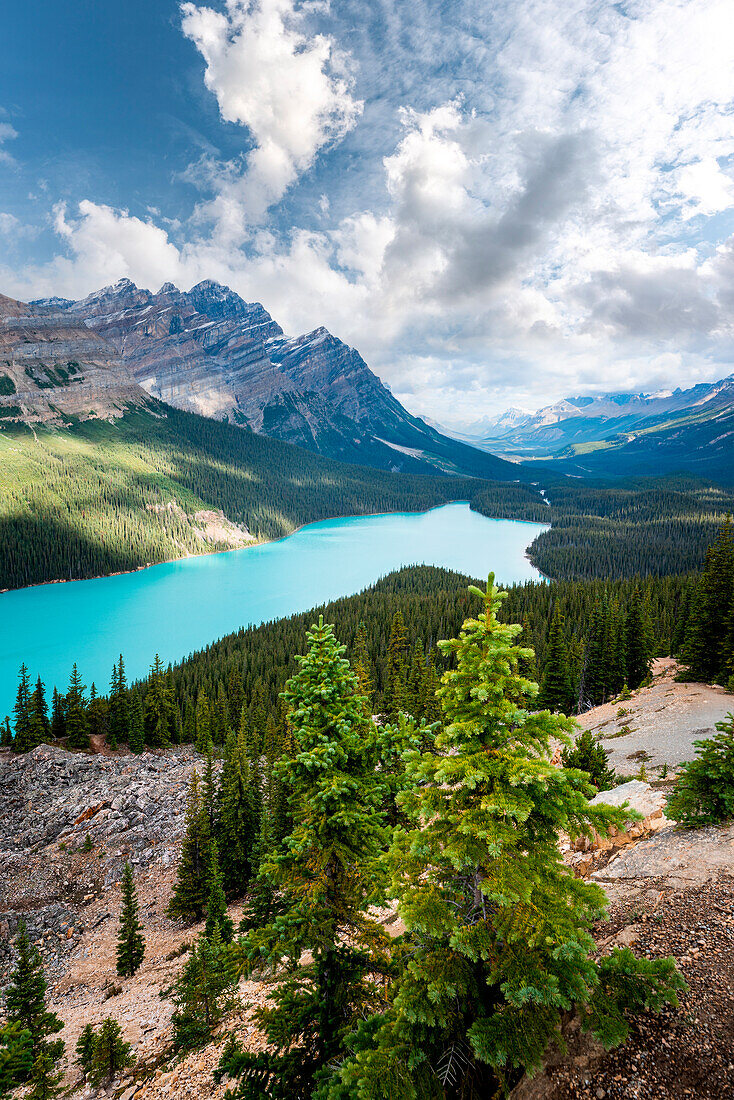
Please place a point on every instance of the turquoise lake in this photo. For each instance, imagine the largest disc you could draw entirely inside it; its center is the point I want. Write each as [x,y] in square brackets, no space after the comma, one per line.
[182,606]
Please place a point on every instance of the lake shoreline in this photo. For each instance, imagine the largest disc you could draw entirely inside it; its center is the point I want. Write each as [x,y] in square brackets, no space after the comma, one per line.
[270,542]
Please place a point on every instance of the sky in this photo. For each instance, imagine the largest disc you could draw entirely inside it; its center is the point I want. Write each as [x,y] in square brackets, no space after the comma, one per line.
[498,202]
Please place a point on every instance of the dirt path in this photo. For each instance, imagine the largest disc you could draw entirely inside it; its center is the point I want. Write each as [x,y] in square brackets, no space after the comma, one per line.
[664,720]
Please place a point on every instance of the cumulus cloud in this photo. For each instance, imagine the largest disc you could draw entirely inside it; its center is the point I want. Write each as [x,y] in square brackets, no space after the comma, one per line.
[291,90]
[7,133]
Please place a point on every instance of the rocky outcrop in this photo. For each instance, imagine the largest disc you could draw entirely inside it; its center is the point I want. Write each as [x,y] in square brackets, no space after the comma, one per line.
[210,352]
[53,368]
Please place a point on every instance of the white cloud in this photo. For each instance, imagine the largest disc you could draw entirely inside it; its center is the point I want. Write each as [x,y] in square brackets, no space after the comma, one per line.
[7,133]
[292,91]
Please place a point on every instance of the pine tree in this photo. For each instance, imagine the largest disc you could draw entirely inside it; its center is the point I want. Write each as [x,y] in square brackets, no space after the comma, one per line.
[362,667]
[40,727]
[119,705]
[220,716]
[45,1078]
[6,734]
[396,670]
[190,892]
[58,721]
[23,734]
[555,685]
[203,723]
[704,648]
[111,1053]
[77,729]
[237,818]
[704,787]
[85,1045]
[204,991]
[587,754]
[136,736]
[639,643]
[324,876]
[497,945]
[25,998]
[130,942]
[216,907]
[16,1057]
[159,707]
[415,679]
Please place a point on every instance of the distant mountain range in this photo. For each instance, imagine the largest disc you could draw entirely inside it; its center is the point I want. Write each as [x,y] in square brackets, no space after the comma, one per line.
[623,433]
[210,352]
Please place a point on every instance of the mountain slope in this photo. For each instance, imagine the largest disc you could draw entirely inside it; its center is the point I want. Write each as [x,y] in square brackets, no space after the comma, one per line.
[210,352]
[627,434]
[53,369]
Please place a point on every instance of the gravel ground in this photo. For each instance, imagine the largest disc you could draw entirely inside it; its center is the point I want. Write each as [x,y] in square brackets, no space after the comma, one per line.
[664,720]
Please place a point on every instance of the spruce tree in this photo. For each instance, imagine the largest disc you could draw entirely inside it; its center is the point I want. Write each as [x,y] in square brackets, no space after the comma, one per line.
[159,707]
[111,1053]
[704,787]
[16,1057]
[587,754]
[119,705]
[25,998]
[216,906]
[204,739]
[555,685]
[58,721]
[85,1045]
[45,1078]
[136,735]
[22,732]
[639,643]
[323,876]
[203,992]
[704,648]
[6,734]
[130,942]
[362,667]
[40,727]
[497,946]
[77,728]
[237,818]
[191,890]
[396,667]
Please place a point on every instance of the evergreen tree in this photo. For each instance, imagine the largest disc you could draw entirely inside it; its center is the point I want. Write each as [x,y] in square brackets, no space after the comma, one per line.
[23,734]
[40,727]
[136,736]
[237,818]
[216,907]
[704,648]
[587,754]
[704,787]
[639,643]
[85,1045]
[159,707]
[396,667]
[220,716]
[363,668]
[555,685]
[111,1053]
[58,721]
[16,1057]
[324,876]
[119,705]
[6,734]
[415,680]
[130,942]
[204,991]
[77,729]
[497,945]
[190,892]
[188,734]
[25,998]
[45,1078]
[203,723]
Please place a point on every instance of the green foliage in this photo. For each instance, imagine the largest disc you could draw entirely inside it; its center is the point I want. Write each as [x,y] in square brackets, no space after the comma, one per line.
[111,1053]
[85,1050]
[159,709]
[119,706]
[16,1057]
[628,985]
[588,755]
[191,890]
[216,906]
[237,822]
[45,1078]
[25,998]
[75,713]
[556,686]
[130,942]
[497,945]
[704,787]
[204,991]
[709,641]
[324,876]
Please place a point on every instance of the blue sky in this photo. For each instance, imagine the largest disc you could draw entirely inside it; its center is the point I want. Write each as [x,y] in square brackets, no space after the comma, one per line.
[498,203]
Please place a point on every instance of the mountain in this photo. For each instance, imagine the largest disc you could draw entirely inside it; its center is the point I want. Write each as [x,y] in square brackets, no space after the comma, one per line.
[208,351]
[632,434]
[54,370]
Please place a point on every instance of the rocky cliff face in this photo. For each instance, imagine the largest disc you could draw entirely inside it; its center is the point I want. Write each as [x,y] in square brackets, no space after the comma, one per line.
[54,368]
[210,352]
